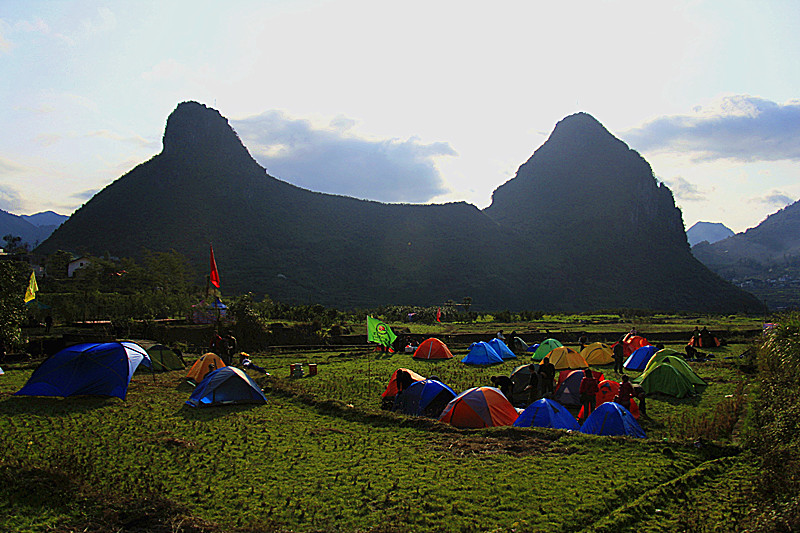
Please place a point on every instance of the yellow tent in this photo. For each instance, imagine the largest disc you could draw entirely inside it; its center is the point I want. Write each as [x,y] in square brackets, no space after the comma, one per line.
[598,353]
[206,364]
[566,358]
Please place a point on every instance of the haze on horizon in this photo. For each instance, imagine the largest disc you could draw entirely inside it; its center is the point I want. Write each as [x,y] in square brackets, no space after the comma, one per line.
[414,102]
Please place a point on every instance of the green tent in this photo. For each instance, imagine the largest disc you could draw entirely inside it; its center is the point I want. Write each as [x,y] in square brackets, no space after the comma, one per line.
[666,380]
[545,348]
[670,357]
[164,358]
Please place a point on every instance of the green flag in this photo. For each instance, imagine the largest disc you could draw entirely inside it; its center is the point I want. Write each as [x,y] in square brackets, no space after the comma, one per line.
[379,332]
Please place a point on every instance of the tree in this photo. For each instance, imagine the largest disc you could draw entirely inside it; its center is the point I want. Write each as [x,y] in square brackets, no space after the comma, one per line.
[13,244]
[57,264]
[467,301]
[13,280]
[168,270]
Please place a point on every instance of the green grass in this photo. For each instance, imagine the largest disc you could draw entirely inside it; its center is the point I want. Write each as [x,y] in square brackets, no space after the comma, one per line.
[321,456]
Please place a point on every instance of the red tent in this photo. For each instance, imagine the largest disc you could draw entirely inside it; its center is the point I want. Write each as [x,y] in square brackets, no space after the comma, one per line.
[632,343]
[479,407]
[432,349]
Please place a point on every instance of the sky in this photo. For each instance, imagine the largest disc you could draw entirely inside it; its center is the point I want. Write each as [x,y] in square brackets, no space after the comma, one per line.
[415,101]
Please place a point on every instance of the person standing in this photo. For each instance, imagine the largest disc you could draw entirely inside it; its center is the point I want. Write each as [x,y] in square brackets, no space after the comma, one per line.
[625,393]
[548,371]
[640,394]
[619,355]
[588,392]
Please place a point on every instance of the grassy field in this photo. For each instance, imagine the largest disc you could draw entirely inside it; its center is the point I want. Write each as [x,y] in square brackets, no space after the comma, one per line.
[322,456]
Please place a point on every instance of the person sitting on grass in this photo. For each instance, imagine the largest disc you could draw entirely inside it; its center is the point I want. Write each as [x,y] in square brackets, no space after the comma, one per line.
[588,391]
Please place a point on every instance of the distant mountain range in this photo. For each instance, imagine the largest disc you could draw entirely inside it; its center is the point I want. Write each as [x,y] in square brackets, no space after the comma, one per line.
[708,231]
[32,229]
[584,225]
[765,260]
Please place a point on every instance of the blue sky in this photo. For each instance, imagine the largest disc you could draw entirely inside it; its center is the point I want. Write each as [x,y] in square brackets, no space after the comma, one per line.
[416,101]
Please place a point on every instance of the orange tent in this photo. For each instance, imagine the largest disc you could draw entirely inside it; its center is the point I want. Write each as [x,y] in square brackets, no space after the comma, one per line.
[432,349]
[607,390]
[631,343]
[479,407]
[391,388]
[206,364]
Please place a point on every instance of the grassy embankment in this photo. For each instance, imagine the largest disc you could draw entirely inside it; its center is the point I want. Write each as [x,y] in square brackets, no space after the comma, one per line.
[321,456]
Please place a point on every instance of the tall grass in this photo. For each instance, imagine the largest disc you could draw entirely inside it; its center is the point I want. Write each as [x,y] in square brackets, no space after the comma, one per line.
[717,424]
[773,431]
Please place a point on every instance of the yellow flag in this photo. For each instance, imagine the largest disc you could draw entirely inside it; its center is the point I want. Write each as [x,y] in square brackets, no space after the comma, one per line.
[30,294]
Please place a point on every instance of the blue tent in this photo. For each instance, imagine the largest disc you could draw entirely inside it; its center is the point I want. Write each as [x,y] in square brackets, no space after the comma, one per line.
[424,398]
[639,358]
[224,386]
[611,418]
[480,353]
[546,413]
[97,369]
[502,350]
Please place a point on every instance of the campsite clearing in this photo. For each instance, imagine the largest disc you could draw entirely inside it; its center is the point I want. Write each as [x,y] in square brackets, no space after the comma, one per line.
[321,456]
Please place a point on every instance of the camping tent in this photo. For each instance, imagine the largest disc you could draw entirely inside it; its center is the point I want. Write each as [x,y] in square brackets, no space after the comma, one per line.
[607,390]
[521,378]
[480,353]
[391,388]
[432,349]
[97,369]
[638,359]
[546,413]
[666,380]
[564,358]
[569,384]
[204,365]
[672,376]
[545,348]
[424,398]
[672,358]
[612,419]
[226,385]
[598,353]
[479,407]
[520,344]
[631,343]
[164,358]
[502,349]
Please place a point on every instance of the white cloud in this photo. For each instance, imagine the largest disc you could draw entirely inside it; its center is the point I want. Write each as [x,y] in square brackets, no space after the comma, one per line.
[8,166]
[85,195]
[741,127]
[9,199]
[136,140]
[684,190]
[330,159]
[773,199]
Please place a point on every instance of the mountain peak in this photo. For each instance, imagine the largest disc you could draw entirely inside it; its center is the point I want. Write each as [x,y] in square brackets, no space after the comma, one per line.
[193,129]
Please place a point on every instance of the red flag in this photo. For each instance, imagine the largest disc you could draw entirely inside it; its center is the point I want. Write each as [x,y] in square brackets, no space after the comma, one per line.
[214,277]
[438,314]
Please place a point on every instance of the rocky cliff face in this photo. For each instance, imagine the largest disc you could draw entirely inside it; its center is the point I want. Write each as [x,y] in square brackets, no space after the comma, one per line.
[582,226]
